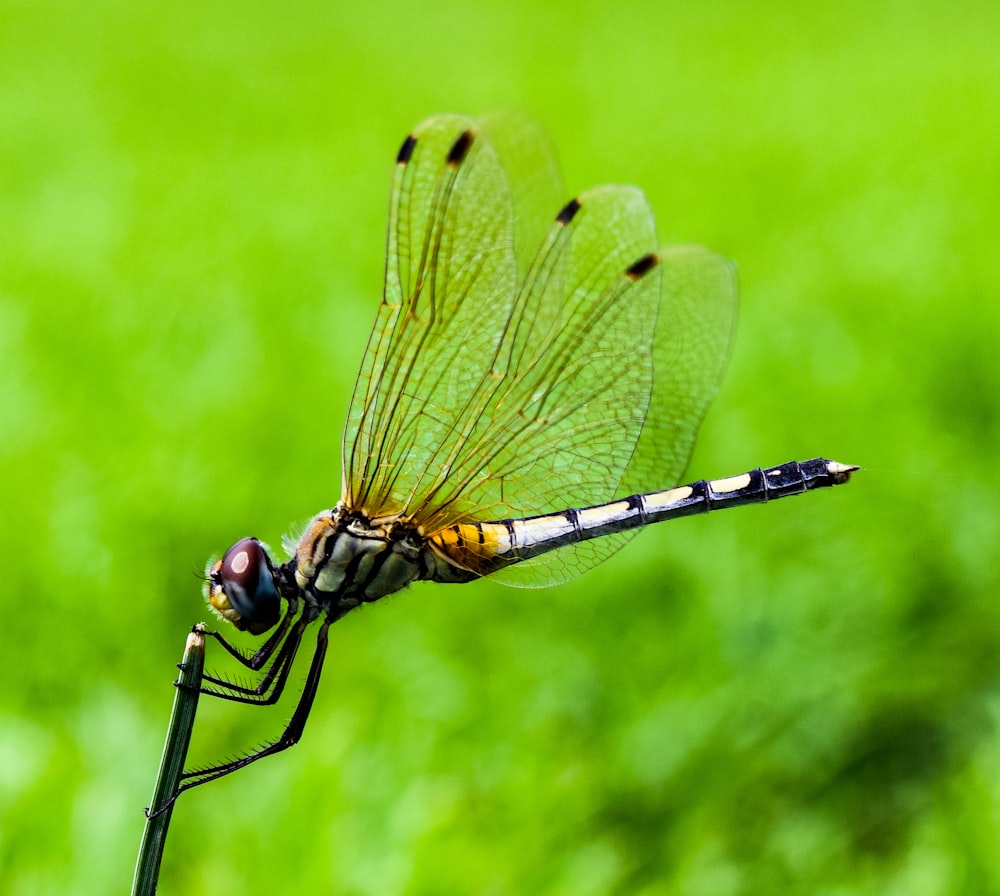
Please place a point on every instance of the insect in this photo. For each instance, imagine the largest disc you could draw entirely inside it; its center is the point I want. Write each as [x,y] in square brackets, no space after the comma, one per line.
[528,399]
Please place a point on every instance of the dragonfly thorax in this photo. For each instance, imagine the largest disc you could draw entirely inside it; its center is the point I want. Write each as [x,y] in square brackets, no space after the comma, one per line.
[345,559]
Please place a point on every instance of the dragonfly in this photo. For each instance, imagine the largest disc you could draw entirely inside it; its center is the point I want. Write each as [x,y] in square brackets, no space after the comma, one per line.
[528,400]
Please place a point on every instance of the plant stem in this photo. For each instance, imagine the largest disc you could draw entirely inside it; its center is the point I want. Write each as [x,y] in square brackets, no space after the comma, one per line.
[154,838]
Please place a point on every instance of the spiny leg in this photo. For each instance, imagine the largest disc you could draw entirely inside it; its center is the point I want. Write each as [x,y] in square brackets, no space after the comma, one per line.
[291,735]
[269,689]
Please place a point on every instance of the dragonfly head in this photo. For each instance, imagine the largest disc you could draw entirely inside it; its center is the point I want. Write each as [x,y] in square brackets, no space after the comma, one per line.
[241,588]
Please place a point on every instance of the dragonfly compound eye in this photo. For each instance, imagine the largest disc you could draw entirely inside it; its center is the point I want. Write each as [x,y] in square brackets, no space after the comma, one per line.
[241,587]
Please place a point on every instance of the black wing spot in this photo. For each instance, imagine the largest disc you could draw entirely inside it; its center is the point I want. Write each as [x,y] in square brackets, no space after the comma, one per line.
[460,148]
[406,150]
[569,211]
[643,266]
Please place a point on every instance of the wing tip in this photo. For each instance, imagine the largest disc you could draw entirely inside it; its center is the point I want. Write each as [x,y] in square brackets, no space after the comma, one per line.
[642,266]
[460,148]
[568,211]
[406,150]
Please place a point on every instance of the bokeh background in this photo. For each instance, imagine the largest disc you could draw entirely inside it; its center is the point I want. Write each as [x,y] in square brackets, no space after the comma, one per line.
[800,698]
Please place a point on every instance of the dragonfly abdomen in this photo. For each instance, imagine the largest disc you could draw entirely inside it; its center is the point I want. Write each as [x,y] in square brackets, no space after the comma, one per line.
[487,547]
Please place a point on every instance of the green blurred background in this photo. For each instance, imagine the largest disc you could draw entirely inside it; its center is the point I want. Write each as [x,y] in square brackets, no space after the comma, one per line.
[802,698]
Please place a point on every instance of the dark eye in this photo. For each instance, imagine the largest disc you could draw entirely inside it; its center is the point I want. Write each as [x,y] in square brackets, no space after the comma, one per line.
[241,587]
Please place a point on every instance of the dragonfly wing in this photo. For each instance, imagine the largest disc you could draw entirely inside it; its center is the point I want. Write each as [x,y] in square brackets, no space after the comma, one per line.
[503,380]
[533,177]
[450,287]
[695,324]
[573,374]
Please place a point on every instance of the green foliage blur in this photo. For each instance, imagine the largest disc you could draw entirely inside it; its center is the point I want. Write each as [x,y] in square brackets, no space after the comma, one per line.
[799,698]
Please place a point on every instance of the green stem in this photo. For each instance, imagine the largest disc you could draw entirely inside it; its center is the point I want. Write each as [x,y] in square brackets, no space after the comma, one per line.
[154,838]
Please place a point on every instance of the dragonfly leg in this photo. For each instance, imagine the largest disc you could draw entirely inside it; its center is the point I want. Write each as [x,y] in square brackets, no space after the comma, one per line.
[258,659]
[275,676]
[269,689]
[290,736]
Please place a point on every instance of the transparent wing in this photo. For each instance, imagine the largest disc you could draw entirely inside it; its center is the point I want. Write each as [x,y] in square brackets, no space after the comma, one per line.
[695,325]
[503,380]
[449,260]
[533,177]
[694,329]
